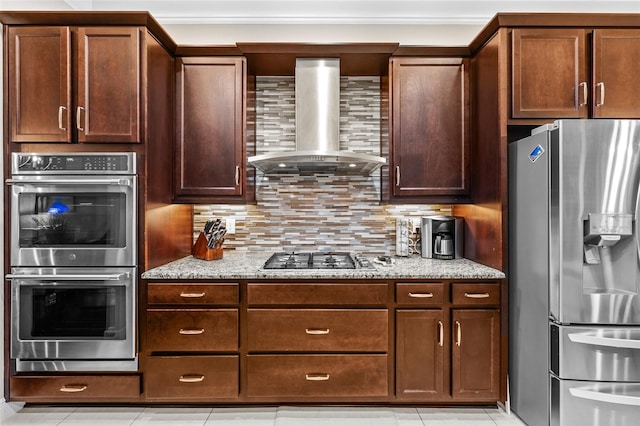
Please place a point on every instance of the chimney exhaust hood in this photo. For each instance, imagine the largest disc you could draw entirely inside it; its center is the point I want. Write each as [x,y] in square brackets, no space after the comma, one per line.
[317,97]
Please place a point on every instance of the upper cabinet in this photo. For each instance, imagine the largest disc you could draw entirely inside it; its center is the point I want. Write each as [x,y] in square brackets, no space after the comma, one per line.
[430,129]
[100,65]
[210,129]
[575,73]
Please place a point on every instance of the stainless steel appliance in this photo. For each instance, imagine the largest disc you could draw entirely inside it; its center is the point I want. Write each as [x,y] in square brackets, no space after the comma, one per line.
[442,237]
[574,274]
[73,256]
[70,319]
[317,260]
[74,209]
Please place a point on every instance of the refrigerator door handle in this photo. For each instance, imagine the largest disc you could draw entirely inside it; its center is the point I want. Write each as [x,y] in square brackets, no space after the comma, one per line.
[605,397]
[612,342]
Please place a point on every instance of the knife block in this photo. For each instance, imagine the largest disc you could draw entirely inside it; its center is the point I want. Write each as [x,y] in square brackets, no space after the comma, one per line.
[200,250]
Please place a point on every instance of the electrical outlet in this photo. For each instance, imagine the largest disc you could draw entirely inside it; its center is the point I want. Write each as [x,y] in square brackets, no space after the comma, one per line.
[415,224]
[230,224]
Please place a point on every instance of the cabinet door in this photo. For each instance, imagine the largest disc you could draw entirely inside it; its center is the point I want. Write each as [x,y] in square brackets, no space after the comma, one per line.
[549,77]
[39,84]
[420,354]
[210,128]
[108,95]
[475,370]
[616,77]
[430,127]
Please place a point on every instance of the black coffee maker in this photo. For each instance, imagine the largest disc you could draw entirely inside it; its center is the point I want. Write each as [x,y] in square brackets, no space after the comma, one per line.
[442,237]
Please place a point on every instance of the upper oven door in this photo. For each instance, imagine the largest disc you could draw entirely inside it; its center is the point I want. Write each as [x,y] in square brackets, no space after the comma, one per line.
[73,313]
[73,220]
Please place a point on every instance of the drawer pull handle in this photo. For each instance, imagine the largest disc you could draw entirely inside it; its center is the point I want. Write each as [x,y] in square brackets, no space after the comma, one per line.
[440,333]
[73,388]
[191,331]
[458,333]
[421,295]
[585,94]
[192,295]
[316,377]
[78,118]
[192,378]
[476,295]
[61,110]
[601,86]
[316,331]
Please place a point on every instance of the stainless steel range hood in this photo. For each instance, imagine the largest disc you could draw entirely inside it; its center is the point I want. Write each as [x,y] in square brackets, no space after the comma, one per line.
[317,97]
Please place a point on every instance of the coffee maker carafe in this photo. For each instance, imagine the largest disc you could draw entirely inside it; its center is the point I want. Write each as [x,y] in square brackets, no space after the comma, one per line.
[442,237]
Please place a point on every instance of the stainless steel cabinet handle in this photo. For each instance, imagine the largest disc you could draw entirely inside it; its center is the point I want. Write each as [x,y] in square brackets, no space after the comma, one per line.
[73,388]
[601,86]
[440,333]
[458,333]
[61,109]
[611,398]
[191,331]
[192,378]
[421,295]
[613,342]
[476,295]
[316,331]
[316,377]
[237,175]
[585,93]
[68,277]
[78,118]
[125,182]
[397,175]
[192,295]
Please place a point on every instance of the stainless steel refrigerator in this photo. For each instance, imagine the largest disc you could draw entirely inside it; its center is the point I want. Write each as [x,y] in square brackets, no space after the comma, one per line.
[574,274]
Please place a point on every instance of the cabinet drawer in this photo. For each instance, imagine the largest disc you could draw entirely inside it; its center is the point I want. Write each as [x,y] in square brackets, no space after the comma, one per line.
[193,294]
[191,377]
[109,388]
[318,330]
[204,330]
[317,375]
[317,294]
[422,294]
[475,294]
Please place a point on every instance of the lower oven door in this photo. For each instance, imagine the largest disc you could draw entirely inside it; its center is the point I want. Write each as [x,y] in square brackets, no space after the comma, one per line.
[73,319]
[588,403]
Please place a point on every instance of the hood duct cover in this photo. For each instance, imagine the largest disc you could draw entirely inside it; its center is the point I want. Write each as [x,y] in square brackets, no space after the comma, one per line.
[317,97]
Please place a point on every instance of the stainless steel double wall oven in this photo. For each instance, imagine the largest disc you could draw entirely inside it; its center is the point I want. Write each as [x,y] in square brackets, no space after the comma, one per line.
[73,261]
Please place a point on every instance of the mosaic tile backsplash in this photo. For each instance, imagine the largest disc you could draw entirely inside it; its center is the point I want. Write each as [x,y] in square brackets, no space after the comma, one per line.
[316,212]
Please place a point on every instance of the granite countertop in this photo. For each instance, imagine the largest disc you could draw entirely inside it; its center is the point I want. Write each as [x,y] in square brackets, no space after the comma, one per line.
[248,265]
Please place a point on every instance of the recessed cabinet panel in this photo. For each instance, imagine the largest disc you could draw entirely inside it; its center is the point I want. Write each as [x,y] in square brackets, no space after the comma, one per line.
[108,101]
[420,351]
[430,136]
[475,354]
[39,76]
[210,128]
[616,79]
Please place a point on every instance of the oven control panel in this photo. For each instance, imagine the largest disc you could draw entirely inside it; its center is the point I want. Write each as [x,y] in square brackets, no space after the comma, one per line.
[74,163]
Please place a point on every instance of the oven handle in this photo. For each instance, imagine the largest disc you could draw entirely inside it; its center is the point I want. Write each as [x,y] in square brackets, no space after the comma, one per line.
[70,181]
[70,277]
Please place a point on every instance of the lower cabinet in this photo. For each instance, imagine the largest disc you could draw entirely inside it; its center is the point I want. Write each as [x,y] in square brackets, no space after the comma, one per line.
[475,371]
[192,378]
[451,353]
[77,388]
[313,375]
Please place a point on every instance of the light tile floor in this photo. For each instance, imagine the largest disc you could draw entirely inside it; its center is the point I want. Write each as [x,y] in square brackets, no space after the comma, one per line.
[18,414]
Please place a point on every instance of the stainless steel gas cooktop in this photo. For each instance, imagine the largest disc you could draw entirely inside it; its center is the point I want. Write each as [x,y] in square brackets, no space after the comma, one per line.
[317,260]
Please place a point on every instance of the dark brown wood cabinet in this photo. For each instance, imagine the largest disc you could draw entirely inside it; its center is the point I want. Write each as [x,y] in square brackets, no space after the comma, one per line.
[100,65]
[475,366]
[430,129]
[210,129]
[420,355]
[449,352]
[556,75]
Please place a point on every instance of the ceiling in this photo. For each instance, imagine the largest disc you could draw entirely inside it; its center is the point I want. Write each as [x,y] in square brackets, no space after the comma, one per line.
[328,11]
